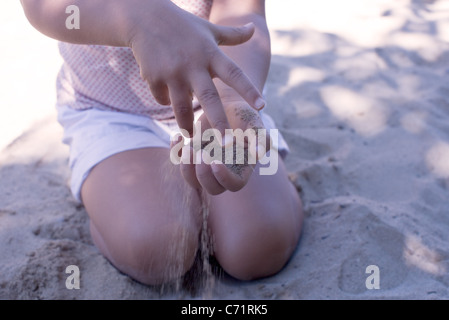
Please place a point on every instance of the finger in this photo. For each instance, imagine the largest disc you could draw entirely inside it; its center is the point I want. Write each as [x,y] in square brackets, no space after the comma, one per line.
[229,180]
[230,36]
[259,143]
[182,107]
[159,90]
[187,167]
[176,144]
[225,69]
[207,179]
[210,101]
[204,123]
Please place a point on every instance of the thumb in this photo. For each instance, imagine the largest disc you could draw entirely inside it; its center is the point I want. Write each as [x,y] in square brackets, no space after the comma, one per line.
[231,36]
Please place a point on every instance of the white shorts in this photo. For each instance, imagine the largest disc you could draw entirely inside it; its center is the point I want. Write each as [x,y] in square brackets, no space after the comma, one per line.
[94,135]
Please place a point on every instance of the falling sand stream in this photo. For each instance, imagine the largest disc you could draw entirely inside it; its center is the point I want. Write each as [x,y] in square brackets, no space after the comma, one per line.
[200,280]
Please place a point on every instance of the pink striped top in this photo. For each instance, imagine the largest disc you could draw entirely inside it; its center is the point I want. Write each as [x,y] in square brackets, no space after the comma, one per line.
[109,78]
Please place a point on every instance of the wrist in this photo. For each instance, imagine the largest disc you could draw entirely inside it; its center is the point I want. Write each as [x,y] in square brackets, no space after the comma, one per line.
[136,14]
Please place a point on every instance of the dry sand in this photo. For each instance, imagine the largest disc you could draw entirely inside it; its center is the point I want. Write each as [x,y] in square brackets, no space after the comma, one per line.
[360,89]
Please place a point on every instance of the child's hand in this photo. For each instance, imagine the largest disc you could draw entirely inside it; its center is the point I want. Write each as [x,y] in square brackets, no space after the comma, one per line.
[219,177]
[179,56]
[177,52]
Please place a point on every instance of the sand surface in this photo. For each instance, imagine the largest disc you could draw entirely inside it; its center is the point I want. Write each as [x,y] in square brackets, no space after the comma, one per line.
[360,90]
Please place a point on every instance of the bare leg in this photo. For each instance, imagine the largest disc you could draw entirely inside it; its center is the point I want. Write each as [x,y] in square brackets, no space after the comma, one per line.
[144,217]
[257,228]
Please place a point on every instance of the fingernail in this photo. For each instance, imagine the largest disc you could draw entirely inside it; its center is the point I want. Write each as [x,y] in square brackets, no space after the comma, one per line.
[260,104]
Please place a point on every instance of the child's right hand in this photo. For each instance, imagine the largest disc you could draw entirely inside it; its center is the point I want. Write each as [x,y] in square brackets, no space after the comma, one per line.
[179,55]
[178,52]
[228,174]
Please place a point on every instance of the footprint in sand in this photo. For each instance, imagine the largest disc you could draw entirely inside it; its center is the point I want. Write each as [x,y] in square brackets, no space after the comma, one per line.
[381,245]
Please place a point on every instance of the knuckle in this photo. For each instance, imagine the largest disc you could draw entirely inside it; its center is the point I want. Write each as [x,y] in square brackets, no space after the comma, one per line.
[208,96]
[174,70]
[210,52]
[170,72]
[183,110]
[234,73]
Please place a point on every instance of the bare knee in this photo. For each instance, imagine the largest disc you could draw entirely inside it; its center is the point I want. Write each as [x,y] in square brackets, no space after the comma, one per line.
[255,241]
[152,255]
[257,251]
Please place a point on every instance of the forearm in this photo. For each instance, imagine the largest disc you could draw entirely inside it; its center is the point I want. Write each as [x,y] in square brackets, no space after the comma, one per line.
[254,56]
[102,22]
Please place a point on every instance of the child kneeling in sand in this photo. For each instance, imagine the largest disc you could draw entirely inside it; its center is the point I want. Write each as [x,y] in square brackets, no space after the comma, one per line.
[137,71]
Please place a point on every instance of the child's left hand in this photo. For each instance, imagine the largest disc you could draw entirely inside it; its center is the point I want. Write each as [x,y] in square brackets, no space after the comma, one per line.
[216,178]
